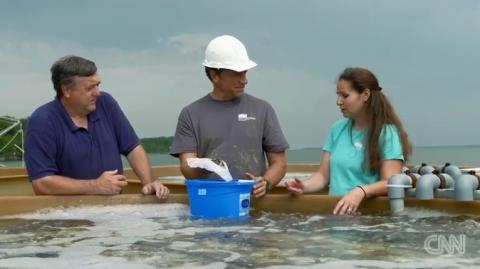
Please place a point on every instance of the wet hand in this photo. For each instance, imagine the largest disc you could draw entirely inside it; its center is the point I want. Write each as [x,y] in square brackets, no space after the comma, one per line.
[295,186]
[350,202]
[260,188]
[110,182]
[157,188]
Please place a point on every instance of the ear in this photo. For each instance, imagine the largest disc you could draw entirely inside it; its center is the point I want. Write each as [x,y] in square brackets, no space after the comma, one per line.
[365,95]
[65,90]
[215,76]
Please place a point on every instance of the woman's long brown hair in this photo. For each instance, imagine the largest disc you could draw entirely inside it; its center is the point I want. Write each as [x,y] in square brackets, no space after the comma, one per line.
[379,112]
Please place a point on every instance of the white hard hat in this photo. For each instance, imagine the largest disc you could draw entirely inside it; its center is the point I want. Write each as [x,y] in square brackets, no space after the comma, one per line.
[227,52]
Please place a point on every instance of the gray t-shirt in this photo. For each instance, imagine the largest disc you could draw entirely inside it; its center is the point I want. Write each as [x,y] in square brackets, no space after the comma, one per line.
[239,132]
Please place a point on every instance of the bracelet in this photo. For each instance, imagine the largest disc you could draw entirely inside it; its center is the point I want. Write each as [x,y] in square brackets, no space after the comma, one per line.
[364,192]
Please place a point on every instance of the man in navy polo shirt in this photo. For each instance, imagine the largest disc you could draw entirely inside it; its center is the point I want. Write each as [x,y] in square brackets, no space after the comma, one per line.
[74,142]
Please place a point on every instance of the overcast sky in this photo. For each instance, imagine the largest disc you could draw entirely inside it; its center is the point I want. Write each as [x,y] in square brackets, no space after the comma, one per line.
[426,55]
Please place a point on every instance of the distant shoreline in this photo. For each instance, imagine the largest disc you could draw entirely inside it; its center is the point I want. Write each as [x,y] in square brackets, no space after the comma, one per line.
[433,146]
[439,155]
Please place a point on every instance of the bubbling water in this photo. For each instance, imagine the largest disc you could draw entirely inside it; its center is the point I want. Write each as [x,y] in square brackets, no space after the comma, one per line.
[164,236]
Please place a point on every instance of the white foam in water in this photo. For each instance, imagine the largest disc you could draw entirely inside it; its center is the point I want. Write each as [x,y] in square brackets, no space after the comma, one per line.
[356,264]
[311,219]
[365,228]
[215,265]
[162,236]
[113,226]
[108,213]
[417,213]
[116,228]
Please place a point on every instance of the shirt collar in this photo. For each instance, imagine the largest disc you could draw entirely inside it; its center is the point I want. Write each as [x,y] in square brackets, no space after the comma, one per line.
[92,116]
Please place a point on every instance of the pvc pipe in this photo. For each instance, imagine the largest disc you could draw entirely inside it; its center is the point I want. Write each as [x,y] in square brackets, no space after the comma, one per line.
[397,184]
[465,186]
[426,185]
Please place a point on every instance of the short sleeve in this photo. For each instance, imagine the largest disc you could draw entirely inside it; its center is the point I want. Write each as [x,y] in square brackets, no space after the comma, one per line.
[390,144]
[184,139]
[40,148]
[328,146]
[127,139]
[273,137]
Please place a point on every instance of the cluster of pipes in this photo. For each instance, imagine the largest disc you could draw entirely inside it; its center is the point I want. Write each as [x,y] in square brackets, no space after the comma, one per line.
[426,182]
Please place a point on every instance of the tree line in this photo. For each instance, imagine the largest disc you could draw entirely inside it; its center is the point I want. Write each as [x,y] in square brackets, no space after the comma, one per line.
[11,152]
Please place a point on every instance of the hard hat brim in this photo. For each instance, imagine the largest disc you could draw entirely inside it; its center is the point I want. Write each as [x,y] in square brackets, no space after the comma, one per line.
[235,67]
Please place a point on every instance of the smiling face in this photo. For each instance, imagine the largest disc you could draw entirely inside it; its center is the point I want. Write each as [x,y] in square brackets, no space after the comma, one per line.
[352,104]
[81,96]
[228,83]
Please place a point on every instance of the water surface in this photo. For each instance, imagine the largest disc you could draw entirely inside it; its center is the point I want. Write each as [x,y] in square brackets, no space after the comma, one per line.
[164,236]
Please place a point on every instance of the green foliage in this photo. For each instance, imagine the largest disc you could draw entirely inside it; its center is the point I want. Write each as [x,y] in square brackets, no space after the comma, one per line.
[11,152]
[157,144]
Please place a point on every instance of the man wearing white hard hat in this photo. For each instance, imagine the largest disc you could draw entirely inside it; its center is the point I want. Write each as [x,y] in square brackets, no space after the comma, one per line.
[230,125]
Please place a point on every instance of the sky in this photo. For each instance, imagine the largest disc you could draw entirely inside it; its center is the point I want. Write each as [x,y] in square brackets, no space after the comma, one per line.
[149,54]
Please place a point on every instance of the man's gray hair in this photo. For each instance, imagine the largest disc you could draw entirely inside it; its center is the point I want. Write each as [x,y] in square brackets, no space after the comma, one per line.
[66,68]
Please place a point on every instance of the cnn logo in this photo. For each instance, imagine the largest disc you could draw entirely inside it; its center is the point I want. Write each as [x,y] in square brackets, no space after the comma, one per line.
[440,244]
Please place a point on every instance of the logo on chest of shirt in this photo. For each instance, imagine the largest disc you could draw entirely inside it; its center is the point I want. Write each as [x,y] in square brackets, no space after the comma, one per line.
[358,145]
[244,117]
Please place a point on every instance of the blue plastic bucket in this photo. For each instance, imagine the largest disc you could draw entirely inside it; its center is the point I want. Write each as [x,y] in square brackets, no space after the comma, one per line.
[211,199]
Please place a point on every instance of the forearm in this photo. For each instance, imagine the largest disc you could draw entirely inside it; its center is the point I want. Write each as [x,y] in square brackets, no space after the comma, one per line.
[187,171]
[190,173]
[376,189]
[140,164]
[275,172]
[60,185]
[388,169]
[315,183]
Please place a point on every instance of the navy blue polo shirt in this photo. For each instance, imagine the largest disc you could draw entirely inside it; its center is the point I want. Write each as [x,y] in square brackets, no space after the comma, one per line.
[56,146]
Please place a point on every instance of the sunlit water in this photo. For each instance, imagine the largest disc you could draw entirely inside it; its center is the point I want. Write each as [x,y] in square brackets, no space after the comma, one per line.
[164,236]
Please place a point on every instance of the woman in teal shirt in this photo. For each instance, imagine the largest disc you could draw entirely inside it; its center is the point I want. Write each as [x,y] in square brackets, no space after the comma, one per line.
[362,150]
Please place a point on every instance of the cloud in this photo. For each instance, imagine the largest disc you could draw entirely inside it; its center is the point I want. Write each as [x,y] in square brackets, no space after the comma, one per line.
[151,84]
[304,102]
[20,53]
[426,61]
[193,43]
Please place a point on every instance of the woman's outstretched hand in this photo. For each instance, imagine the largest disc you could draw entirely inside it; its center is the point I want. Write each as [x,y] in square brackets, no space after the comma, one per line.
[295,186]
